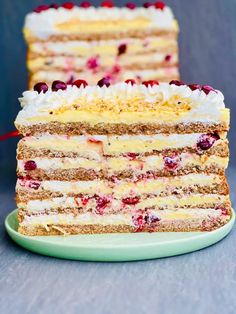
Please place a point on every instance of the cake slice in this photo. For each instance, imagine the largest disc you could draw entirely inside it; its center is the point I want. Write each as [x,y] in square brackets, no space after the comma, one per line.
[68,41]
[122,158]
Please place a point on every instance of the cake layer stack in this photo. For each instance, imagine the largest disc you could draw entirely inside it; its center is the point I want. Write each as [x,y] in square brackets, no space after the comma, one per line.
[122,158]
[69,41]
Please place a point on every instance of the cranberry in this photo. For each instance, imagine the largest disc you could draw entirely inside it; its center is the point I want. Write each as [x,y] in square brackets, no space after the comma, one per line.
[41,8]
[116,69]
[30,165]
[207,89]
[102,203]
[107,4]
[176,82]
[68,5]
[84,200]
[56,85]
[207,140]
[80,83]
[130,5]
[130,81]
[85,4]
[194,86]
[131,156]
[34,185]
[138,221]
[122,49]
[104,81]
[159,5]
[150,83]
[54,6]
[168,58]
[92,63]
[131,200]
[71,80]
[94,140]
[41,87]
[171,162]
[147,4]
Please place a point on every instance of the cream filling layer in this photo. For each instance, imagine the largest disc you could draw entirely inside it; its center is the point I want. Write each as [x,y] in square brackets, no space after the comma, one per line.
[114,145]
[169,202]
[115,164]
[123,188]
[118,219]
[73,63]
[103,47]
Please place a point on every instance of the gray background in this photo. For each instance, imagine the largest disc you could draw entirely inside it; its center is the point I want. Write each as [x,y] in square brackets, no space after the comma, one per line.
[201,282]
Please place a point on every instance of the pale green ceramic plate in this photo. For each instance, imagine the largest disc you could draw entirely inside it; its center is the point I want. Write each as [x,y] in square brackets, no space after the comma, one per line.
[116,247]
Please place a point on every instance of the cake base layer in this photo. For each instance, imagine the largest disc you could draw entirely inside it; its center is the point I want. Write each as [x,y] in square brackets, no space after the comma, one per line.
[170,226]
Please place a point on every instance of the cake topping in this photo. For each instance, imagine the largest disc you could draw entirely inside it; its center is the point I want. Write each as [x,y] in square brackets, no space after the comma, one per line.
[159,5]
[130,5]
[68,5]
[107,4]
[194,86]
[177,83]
[207,89]
[122,49]
[30,165]
[147,4]
[85,4]
[56,85]
[104,81]
[54,6]
[41,87]
[130,81]
[41,8]
[80,83]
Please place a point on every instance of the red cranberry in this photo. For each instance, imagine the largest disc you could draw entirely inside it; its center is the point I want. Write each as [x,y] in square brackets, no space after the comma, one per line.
[80,83]
[147,4]
[71,80]
[131,200]
[194,86]
[92,63]
[131,156]
[41,8]
[150,83]
[176,82]
[130,81]
[85,4]
[56,85]
[68,5]
[130,5]
[94,140]
[207,89]
[168,58]
[159,5]
[171,162]
[41,87]
[84,200]
[138,221]
[54,6]
[107,4]
[102,203]
[104,81]
[122,49]
[34,185]
[207,140]
[30,165]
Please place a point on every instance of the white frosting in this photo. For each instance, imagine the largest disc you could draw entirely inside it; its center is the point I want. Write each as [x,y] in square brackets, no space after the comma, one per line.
[43,24]
[206,106]
[117,219]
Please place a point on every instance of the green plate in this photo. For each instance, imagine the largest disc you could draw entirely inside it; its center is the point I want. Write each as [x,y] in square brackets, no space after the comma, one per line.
[116,247]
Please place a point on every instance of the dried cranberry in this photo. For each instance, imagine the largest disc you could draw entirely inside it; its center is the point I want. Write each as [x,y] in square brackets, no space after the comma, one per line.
[159,5]
[122,48]
[138,221]
[131,200]
[131,156]
[56,85]
[206,141]
[130,5]
[104,81]
[171,162]
[176,82]
[54,6]
[107,4]
[41,87]
[30,165]
[68,5]
[168,58]
[80,83]
[194,86]
[41,8]
[150,83]
[147,4]
[85,4]
[94,140]
[207,89]
[130,81]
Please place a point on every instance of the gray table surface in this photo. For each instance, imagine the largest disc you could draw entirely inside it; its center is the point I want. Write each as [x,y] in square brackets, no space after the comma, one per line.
[199,282]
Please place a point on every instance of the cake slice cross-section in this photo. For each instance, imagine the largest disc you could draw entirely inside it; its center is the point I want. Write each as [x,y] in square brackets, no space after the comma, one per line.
[70,41]
[122,158]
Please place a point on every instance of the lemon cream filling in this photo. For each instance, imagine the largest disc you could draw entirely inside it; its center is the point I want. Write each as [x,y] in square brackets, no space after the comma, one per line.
[118,219]
[141,164]
[124,188]
[114,145]
[106,48]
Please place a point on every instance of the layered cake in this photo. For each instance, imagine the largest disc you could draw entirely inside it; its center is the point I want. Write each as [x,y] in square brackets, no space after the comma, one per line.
[122,158]
[68,41]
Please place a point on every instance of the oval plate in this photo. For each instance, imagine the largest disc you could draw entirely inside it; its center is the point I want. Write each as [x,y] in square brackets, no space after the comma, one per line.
[116,247]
